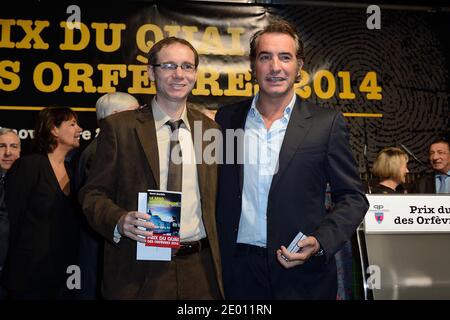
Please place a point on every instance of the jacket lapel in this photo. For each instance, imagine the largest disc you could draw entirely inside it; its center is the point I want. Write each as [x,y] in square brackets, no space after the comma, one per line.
[431,183]
[145,130]
[238,120]
[298,126]
[201,166]
[51,178]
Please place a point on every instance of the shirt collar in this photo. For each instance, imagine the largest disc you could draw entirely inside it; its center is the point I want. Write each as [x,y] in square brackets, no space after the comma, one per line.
[443,174]
[161,117]
[287,110]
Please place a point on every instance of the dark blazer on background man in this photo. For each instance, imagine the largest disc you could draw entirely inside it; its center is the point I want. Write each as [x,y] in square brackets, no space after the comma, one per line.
[120,174]
[425,184]
[315,150]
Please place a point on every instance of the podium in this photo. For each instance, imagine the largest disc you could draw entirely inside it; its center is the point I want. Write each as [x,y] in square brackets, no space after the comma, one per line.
[404,244]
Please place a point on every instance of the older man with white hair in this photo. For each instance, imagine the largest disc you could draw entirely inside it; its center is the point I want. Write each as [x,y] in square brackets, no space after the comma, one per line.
[105,106]
[111,103]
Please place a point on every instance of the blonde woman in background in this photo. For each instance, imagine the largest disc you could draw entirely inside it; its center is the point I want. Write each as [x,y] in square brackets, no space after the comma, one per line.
[391,168]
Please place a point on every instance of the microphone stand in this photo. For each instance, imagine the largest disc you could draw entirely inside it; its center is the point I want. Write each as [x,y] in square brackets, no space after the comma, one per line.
[366,164]
[412,155]
[366,159]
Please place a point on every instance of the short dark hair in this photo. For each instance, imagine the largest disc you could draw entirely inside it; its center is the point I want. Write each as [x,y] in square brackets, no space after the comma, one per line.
[439,140]
[276,25]
[157,47]
[45,141]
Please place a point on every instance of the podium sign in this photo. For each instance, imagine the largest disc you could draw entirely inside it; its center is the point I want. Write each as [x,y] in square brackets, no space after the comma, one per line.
[407,213]
[403,243]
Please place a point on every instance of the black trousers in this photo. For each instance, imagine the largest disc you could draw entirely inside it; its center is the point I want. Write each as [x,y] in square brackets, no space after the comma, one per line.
[250,276]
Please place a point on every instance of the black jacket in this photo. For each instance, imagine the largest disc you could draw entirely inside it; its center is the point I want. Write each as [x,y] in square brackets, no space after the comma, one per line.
[315,150]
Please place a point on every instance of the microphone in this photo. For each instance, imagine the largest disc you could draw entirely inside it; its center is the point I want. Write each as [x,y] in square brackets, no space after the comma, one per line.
[411,154]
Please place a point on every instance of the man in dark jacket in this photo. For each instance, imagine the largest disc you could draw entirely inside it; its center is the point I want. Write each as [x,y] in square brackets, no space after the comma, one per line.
[9,152]
[291,150]
[438,181]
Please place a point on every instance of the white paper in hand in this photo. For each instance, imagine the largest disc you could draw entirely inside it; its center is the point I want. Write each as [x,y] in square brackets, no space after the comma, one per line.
[293,247]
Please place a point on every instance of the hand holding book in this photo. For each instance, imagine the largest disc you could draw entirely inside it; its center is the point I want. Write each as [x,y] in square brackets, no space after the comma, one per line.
[135,225]
[163,217]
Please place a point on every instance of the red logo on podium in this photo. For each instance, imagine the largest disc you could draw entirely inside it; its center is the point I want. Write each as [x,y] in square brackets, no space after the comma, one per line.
[379,217]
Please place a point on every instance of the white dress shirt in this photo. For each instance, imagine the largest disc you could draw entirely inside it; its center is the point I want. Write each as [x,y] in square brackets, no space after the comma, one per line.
[262,148]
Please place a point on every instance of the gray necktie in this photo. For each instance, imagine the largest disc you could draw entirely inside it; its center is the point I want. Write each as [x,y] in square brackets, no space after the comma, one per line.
[442,187]
[175,173]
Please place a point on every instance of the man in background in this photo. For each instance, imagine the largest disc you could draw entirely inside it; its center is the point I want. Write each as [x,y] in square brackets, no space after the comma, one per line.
[439,180]
[9,153]
[105,106]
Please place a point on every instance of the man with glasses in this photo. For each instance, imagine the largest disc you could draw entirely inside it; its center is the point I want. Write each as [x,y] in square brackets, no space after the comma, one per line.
[135,154]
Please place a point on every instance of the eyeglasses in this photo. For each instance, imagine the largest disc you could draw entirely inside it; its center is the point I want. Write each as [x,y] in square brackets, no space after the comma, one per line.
[187,67]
